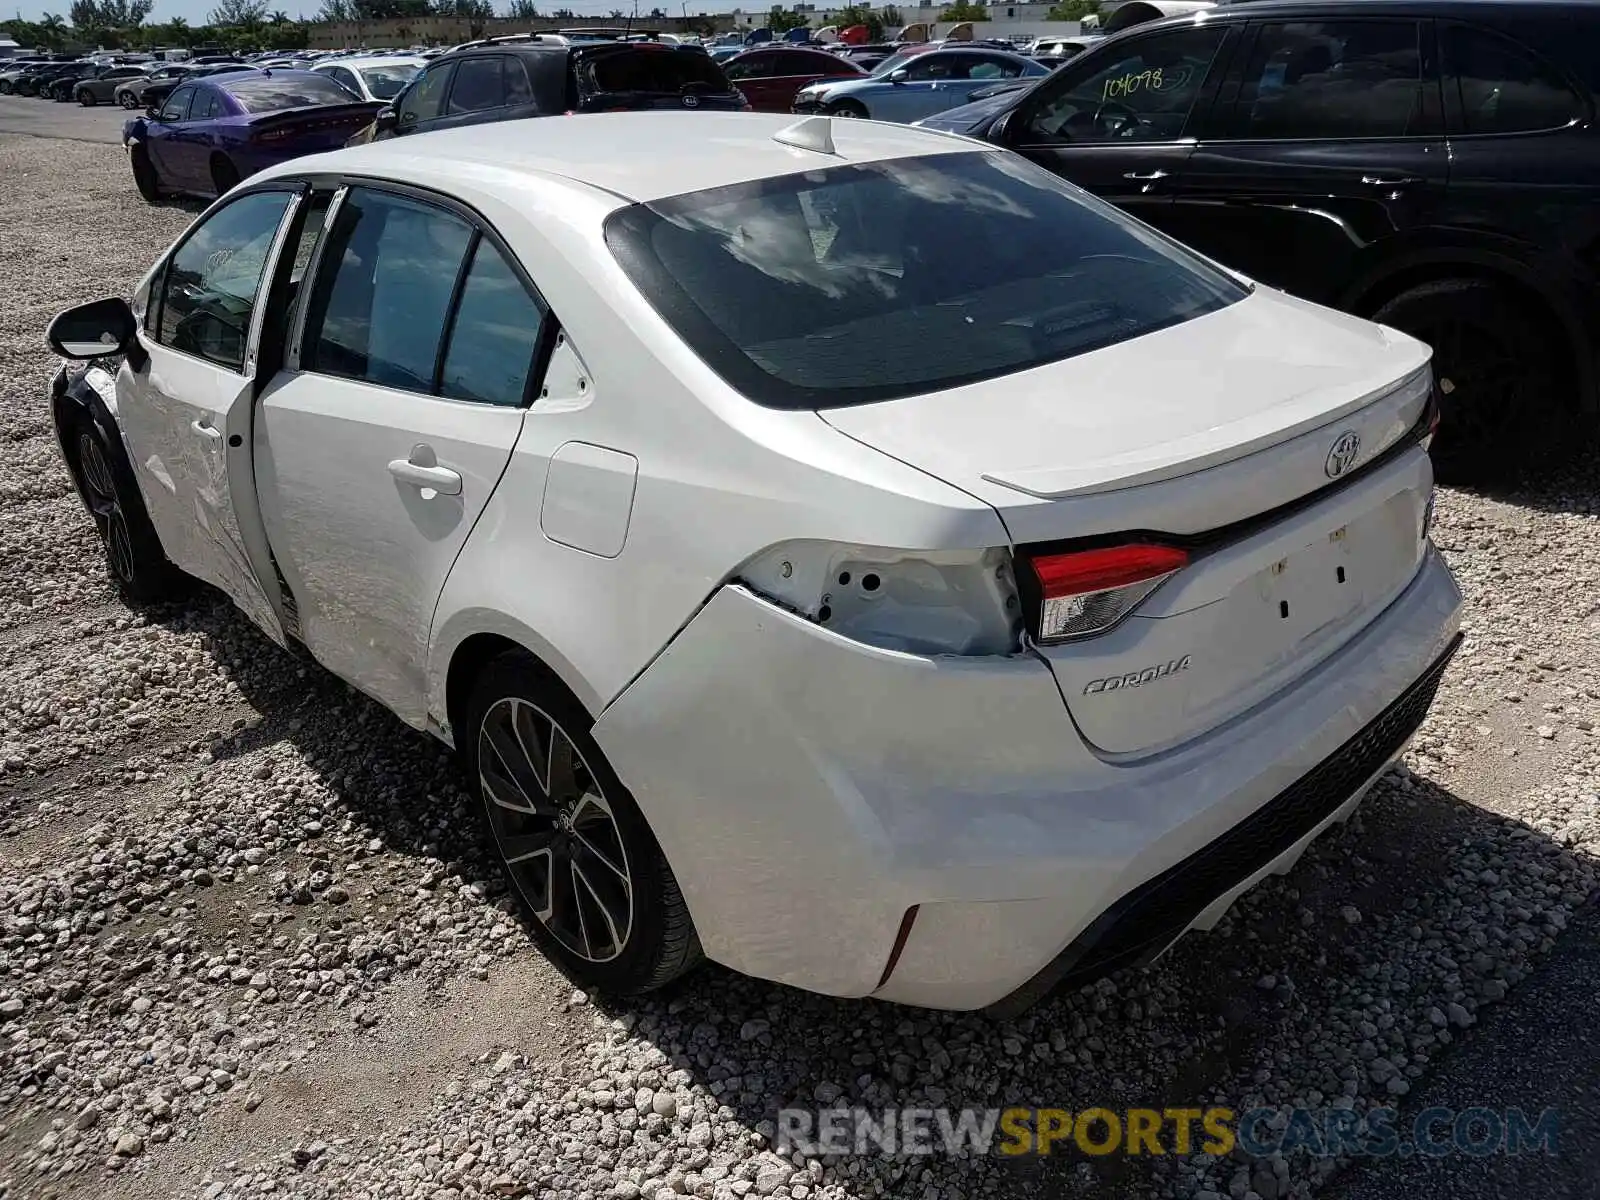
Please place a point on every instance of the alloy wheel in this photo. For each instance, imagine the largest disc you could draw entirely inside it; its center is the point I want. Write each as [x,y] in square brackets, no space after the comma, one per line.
[555,830]
[1481,378]
[107,508]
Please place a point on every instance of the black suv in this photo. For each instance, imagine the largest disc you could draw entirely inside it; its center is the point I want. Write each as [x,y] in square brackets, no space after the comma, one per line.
[537,79]
[1431,164]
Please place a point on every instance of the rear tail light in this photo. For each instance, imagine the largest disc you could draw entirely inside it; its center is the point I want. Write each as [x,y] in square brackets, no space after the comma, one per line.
[1430,418]
[1086,592]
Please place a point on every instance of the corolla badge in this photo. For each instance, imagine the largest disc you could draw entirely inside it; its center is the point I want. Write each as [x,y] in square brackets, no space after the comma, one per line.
[1346,447]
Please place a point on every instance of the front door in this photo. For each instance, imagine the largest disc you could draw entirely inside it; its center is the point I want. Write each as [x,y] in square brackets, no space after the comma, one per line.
[163,134]
[379,445]
[1116,124]
[186,412]
[1324,149]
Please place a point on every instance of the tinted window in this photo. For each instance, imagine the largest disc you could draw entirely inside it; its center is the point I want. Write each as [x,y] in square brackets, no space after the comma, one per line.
[655,69]
[1143,94]
[344,77]
[477,86]
[383,291]
[518,89]
[865,282]
[1332,79]
[122,73]
[424,99]
[1502,89]
[495,334]
[266,93]
[207,105]
[209,287]
[755,66]
[176,106]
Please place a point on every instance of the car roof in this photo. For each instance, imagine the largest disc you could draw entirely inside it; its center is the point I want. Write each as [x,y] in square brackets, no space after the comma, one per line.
[368,60]
[639,156]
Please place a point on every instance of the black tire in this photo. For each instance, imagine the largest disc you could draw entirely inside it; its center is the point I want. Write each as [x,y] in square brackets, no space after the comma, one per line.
[848,108]
[1505,379]
[128,100]
[134,558]
[5,87]
[592,826]
[144,174]
[224,175]
[86,98]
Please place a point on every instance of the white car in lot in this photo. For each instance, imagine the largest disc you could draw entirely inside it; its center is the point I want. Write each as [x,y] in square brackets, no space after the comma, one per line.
[843,550]
[377,77]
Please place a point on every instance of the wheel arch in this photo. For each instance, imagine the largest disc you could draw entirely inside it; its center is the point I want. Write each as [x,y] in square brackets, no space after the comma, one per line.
[73,398]
[469,643]
[1374,289]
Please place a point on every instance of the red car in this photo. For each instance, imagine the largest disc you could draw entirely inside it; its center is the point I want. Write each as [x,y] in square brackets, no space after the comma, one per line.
[769,76]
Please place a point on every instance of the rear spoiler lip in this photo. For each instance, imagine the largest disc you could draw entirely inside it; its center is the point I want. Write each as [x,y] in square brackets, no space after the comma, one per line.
[356,108]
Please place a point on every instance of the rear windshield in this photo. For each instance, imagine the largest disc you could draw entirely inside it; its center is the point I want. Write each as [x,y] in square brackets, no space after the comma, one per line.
[388,81]
[868,282]
[269,94]
[655,69]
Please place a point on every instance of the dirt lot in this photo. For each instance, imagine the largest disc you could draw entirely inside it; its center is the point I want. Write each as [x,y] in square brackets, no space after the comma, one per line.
[248,945]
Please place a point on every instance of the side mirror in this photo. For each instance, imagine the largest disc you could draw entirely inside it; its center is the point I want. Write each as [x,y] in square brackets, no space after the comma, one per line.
[94,330]
[999,132]
[153,111]
[899,75]
[386,120]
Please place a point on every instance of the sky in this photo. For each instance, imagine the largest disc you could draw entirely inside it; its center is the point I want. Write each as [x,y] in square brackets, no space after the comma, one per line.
[194,11]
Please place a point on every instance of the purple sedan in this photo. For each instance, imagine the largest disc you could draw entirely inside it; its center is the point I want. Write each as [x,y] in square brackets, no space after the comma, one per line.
[202,137]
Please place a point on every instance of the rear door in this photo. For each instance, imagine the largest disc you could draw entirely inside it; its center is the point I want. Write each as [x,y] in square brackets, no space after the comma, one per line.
[380,443]
[186,411]
[1326,146]
[1119,123]
[759,77]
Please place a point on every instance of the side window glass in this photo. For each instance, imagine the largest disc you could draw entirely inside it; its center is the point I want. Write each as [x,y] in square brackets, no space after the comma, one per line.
[176,107]
[518,89]
[495,334]
[384,290]
[1144,95]
[424,99]
[1502,89]
[477,86]
[208,289]
[206,106]
[1332,79]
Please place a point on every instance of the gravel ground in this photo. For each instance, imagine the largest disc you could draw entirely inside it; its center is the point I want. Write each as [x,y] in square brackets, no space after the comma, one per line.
[248,944]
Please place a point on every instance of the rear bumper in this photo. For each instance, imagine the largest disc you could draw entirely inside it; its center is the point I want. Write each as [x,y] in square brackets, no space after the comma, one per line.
[808,791]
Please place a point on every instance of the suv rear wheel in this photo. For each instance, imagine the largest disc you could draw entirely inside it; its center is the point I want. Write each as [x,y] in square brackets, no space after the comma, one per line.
[1503,376]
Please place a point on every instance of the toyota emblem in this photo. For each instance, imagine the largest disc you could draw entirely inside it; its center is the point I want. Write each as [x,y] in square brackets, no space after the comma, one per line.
[1345,449]
[690,102]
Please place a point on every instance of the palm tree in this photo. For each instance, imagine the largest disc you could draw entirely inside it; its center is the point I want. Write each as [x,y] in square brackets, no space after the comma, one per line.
[279,17]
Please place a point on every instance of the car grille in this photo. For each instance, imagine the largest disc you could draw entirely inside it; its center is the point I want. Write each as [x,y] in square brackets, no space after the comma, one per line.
[1147,919]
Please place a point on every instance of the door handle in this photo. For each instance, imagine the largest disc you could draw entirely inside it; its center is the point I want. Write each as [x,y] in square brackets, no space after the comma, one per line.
[422,470]
[206,431]
[1145,176]
[1381,181]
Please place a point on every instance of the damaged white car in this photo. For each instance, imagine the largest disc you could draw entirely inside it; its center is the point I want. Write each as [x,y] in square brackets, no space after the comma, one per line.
[840,550]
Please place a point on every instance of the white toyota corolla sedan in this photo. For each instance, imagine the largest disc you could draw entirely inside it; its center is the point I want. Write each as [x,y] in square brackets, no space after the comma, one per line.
[840,550]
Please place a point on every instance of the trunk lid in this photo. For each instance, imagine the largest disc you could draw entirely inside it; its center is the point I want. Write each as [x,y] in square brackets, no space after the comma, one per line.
[312,129]
[1232,436]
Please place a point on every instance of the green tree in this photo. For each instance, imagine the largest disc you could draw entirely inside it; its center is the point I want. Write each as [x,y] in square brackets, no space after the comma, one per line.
[891,17]
[238,14]
[964,10]
[524,10]
[1073,10]
[780,20]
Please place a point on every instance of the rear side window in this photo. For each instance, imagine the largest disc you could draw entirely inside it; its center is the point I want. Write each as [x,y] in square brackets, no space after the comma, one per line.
[868,282]
[655,69]
[495,334]
[477,86]
[1333,79]
[272,93]
[1502,88]
[378,314]
[207,105]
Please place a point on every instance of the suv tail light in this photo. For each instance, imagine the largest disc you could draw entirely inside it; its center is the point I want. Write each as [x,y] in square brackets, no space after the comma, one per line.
[1085,592]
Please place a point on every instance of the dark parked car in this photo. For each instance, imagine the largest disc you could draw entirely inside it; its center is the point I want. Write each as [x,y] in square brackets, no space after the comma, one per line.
[101,87]
[208,134]
[1431,164]
[769,76]
[532,79]
[31,83]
